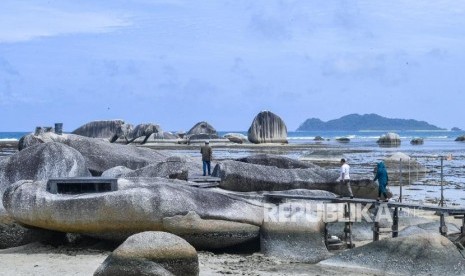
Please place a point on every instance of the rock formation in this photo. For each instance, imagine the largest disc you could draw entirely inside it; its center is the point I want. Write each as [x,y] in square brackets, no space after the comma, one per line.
[267,127]
[422,254]
[108,129]
[410,168]
[237,138]
[460,138]
[389,140]
[151,253]
[139,204]
[417,141]
[42,162]
[143,130]
[244,177]
[101,155]
[202,131]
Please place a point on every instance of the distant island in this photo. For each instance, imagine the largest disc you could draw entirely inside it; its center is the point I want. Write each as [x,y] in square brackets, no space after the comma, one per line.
[355,122]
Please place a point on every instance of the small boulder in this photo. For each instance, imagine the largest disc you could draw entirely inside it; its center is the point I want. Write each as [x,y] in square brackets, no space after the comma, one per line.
[116,172]
[237,138]
[151,253]
[343,140]
[318,138]
[460,138]
[278,161]
[267,127]
[417,141]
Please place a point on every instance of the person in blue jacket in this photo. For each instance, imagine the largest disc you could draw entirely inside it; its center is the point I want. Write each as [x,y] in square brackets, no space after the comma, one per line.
[383,179]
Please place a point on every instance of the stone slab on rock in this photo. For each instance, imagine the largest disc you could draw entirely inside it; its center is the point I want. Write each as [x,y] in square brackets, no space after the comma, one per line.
[151,253]
[422,254]
[267,127]
[208,233]
[139,204]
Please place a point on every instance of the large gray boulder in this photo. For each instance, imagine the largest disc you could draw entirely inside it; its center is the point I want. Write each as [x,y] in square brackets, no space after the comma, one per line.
[41,162]
[460,138]
[151,253]
[116,172]
[202,131]
[267,127]
[422,254]
[245,177]
[107,129]
[101,155]
[209,233]
[139,204]
[389,139]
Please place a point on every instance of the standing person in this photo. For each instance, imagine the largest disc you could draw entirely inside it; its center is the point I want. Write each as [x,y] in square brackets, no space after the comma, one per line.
[383,179]
[345,177]
[206,152]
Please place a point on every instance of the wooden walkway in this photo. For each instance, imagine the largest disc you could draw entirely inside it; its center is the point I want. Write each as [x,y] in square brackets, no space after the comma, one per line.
[458,213]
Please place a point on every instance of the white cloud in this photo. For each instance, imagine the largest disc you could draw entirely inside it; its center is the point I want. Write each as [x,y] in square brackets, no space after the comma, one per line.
[23,22]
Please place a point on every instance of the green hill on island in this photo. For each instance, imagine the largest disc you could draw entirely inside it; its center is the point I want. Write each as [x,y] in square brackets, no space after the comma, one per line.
[355,122]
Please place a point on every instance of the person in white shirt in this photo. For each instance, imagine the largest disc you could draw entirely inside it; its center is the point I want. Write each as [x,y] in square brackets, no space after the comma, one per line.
[345,176]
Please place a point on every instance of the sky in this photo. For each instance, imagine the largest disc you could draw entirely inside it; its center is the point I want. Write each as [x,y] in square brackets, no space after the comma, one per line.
[176,63]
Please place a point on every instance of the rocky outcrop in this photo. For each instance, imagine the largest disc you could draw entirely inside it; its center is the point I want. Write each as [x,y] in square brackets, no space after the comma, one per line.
[202,131]
[143,130]
[12,234]
[460,138]
[108,129]
[237,138]
[101,155]
[40,162]
[430,227]
[417,141]
[267,127]
[244,177]
[343,140]
[301,241]
[151,253]
[116,172]
[139,204]
[174,168]
[278,161]
[389,139]
[208,233]
[423,254]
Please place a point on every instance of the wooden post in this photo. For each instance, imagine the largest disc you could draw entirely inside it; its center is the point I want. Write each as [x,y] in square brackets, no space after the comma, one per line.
[348,226]
[326,234]
[442,226]
[395,223]
[376,225]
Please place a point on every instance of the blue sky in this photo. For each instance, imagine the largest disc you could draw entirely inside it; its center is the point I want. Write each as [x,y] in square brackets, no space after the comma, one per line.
[176,63]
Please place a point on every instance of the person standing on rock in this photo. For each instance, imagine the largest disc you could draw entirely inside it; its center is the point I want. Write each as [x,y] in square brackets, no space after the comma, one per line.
[206,152]
[344,178]
[383,179]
